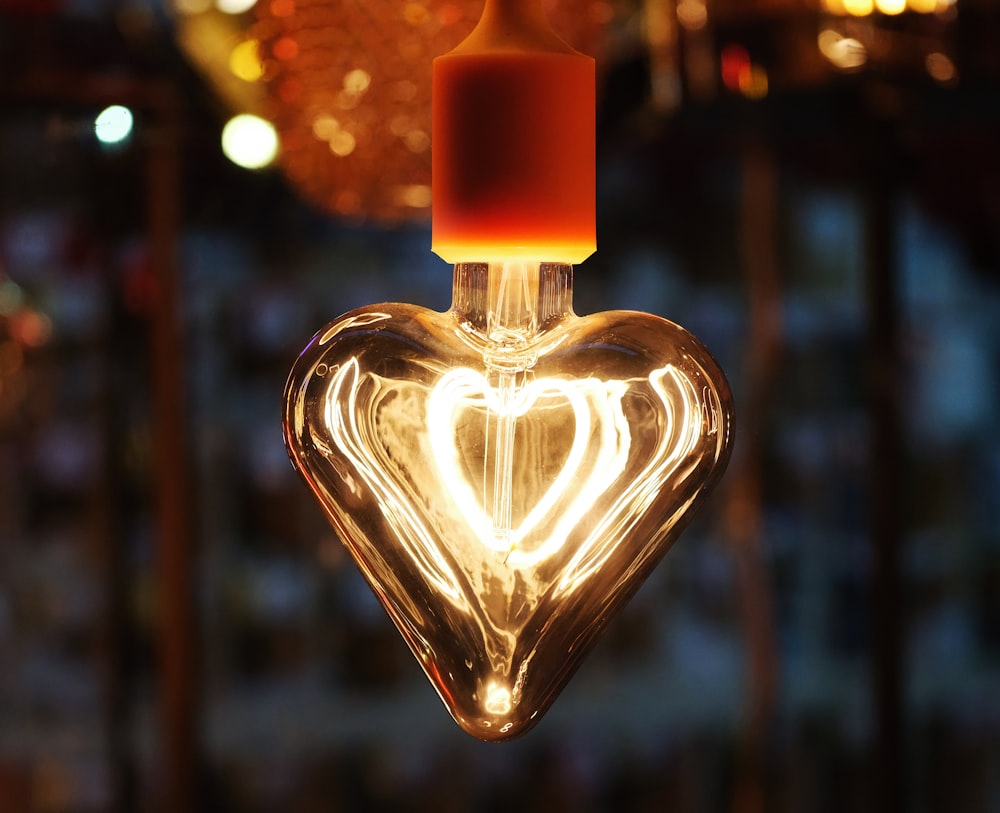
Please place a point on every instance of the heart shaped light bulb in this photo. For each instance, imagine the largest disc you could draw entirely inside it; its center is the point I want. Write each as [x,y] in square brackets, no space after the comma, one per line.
[506,474]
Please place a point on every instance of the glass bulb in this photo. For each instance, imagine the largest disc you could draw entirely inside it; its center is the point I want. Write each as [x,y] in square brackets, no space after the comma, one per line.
[505,474]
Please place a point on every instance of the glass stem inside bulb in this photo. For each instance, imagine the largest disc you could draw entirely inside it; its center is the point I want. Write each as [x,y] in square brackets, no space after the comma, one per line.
[508,306]
[503,457]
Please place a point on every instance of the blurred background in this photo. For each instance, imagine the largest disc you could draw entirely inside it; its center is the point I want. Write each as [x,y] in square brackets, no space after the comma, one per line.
[812,187]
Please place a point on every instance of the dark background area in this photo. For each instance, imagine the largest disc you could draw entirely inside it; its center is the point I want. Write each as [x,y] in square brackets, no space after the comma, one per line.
[180,630]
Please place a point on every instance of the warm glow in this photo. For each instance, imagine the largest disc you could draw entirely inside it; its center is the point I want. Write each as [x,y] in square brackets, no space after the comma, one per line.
[249,141]
[417,141]
[754,84]
[504,469]
[891,7]
[29,328]
[415,13]
[941,68]
[859,8]
[357,81]
[862,8]
[735,66]
[234,6]
[325,127]
[192,6]
[498,700]
[285,48]
[739,73]
[244,61]
[341,142]
[113,125]
[489,511]
[692,14]
[844,52]
[416,196]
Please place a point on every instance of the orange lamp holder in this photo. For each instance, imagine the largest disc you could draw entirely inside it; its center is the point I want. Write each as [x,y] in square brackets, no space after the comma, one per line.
[513,157]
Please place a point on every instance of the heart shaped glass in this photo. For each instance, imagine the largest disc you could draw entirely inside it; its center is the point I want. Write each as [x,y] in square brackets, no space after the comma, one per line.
[506,474]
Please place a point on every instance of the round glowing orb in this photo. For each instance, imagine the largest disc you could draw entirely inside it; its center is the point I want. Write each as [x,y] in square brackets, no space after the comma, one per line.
[891,7]
[234,6]
[113,124]
[941,68]
[249,141]
[244,61]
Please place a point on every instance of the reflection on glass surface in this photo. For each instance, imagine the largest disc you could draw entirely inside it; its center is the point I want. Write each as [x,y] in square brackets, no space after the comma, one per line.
[505,474]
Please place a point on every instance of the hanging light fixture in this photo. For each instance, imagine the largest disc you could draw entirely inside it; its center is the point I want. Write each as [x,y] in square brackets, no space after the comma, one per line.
[506,474]
[348,86]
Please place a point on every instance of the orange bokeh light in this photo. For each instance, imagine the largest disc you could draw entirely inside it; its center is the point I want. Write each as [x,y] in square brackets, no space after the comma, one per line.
[735,67]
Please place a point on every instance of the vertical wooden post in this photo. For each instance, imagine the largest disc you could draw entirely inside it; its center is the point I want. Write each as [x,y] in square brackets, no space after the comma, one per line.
[886,473]
[119,668]
[175,571]
[744,508]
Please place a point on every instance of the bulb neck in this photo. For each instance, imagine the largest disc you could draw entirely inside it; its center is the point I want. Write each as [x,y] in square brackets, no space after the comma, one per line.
[510,303]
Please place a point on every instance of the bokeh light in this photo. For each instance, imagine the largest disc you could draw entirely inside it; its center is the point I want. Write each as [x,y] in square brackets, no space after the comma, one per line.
[245,62]
[113,125]
[692,14]
[859,8]
[249,141]
[845,53]
[863,8]
[941,68]
[234,6]
[891,7]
